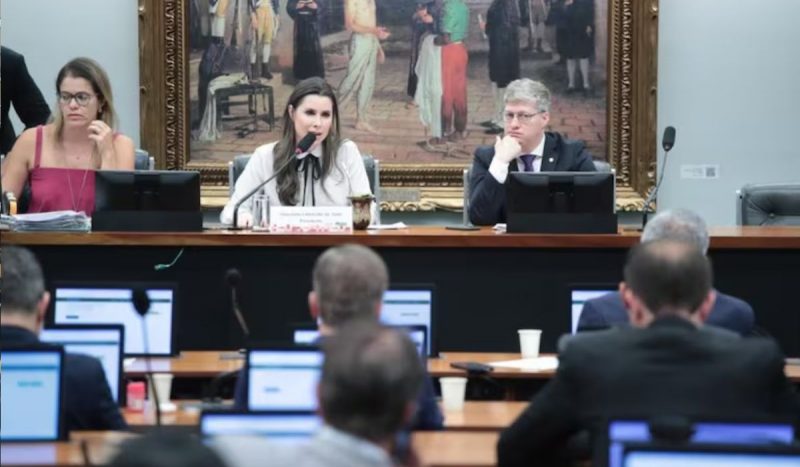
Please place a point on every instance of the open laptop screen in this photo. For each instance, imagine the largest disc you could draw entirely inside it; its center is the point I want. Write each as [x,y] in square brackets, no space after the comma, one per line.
[411,306]
[579,296]
[711,456]
[418,335]
[104,343]
[91,304]
[740,433]
[289,427]
[283,379]
[31,386]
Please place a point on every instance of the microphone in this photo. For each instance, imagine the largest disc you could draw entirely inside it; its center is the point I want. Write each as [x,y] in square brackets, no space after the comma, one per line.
[301,147]
[233,277]
[667,141]
[141,303]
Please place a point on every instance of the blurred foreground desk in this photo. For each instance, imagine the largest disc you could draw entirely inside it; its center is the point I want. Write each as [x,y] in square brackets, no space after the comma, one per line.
[434,449]
[488,285]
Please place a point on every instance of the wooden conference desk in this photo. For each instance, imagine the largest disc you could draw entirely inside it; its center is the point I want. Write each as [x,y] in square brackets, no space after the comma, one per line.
[488,285]
[442,448]
[476,416]
[208,364]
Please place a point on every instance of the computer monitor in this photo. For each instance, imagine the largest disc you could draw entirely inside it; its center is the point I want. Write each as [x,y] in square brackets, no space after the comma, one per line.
[104,343]
[309,335]
[32,386]
[580,294]
[561,202]
[622,432]
[710,455]
[147,200]
[101,303]
[412,305]
[278,426]
[283,378]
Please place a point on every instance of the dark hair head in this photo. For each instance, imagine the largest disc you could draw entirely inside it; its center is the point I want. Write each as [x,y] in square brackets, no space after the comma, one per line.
[349,281]
[23,281]
[92,72]
[370,376]
[165,450]
[668,276]
[287,184]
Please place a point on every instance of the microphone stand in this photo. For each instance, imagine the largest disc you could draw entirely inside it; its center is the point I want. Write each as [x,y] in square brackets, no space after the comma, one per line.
[141,302]
[653,193]
[255,190]
[302,146]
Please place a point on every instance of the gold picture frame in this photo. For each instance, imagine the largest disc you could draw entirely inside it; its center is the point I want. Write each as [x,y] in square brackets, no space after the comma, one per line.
[631,111]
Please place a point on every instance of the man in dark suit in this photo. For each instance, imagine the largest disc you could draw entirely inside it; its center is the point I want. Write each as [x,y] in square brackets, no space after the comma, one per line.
[348,285]
[524,147]
[666,363]
[728,312]
[18,88]
[88,404]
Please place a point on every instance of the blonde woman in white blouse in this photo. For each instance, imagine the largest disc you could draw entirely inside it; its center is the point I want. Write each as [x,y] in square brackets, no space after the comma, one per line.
[326,175]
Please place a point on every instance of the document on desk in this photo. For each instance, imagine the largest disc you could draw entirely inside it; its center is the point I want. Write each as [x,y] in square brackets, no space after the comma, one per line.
[548,363]
[395,226]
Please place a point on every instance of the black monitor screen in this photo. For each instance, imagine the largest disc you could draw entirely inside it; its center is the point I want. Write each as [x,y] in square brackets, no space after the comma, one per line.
[157,190]
[560,192]
[561,202]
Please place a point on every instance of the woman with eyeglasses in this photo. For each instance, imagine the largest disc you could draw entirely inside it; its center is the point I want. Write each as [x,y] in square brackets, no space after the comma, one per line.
[59,159]
[326,174]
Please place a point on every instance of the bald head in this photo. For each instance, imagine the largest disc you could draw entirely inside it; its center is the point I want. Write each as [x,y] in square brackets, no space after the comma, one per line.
[349,282]
[669,276]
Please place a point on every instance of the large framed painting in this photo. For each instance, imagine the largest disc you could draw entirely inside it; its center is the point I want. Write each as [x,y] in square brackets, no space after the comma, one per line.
[216,74]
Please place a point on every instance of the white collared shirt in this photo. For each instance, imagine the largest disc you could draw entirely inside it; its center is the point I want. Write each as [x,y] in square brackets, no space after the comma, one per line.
[500,171]
[348,177]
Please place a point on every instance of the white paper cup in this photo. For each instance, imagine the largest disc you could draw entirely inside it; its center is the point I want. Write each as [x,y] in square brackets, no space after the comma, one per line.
[529,342]
[163,386]
[453,390]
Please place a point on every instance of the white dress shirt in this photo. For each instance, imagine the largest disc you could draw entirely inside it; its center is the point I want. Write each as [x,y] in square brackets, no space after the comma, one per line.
[499,170]
[348,177]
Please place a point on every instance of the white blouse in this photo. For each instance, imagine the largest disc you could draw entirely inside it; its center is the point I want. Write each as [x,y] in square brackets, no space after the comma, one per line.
[348,177]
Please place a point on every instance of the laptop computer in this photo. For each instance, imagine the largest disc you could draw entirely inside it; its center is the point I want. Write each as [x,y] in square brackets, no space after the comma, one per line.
[309,335]
[279,426]
[104,343]
[710,455]
[412,305]
[104,303]
[31,407]
[747,432]
[283,378]
[580,294]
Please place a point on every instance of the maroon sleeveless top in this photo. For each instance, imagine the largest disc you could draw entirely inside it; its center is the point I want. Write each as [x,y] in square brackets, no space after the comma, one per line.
[59,188]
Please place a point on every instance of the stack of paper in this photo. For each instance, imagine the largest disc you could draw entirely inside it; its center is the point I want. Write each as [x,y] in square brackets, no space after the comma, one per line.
[69,221]
[547,363]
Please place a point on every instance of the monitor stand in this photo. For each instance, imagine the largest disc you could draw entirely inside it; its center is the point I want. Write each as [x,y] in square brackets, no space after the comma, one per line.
[562,223]
[147,221]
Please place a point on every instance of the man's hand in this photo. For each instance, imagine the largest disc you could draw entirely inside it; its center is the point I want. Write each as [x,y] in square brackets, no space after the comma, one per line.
[506,149]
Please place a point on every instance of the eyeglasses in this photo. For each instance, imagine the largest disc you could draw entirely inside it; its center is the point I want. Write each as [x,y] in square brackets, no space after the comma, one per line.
[522,117]
[82,98]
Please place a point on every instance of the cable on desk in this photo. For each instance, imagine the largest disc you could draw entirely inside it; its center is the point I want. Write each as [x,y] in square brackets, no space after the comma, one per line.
[161,267]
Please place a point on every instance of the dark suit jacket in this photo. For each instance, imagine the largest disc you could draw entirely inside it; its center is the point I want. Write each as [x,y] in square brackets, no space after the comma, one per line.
[88,404]
[670,368]
[18,88]
[729,312]
[487,197]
